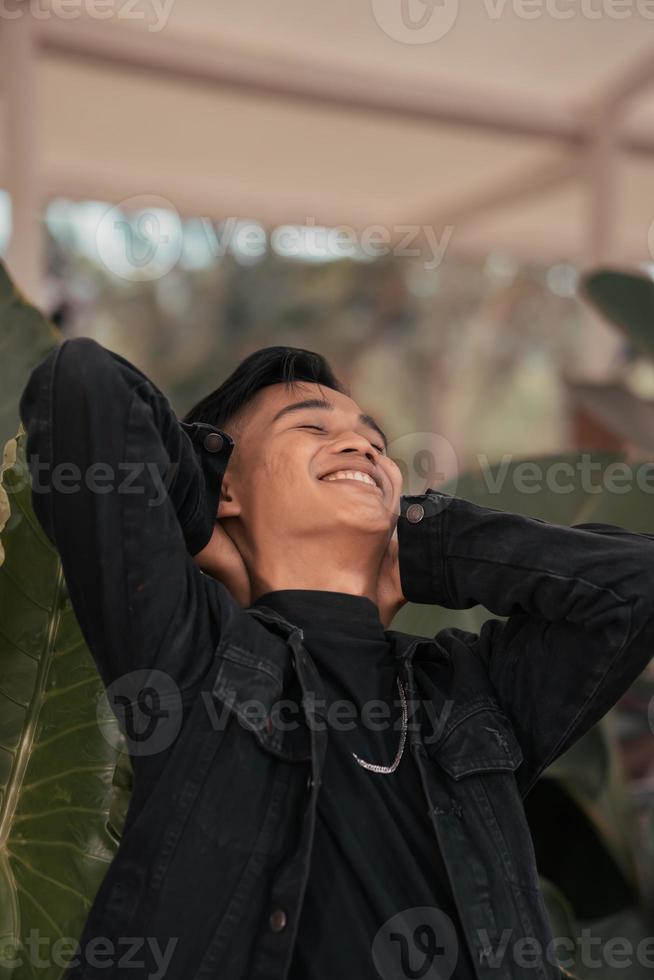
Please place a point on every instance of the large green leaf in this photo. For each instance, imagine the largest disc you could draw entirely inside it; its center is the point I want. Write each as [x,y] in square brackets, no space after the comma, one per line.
[56,763]
[585,948]
[8,459]
[25,337]
[625,299]
[618,945]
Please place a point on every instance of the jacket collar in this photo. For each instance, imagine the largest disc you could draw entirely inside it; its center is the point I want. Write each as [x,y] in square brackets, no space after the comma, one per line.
[404,645]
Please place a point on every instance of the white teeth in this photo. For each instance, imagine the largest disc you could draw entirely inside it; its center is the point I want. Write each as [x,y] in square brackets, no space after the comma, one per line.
[351,475]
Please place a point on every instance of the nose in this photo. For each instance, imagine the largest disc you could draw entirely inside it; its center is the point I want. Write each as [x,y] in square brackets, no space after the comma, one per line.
[359,444]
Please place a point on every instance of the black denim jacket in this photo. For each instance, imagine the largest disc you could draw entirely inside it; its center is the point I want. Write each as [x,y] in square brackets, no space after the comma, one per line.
[214,857]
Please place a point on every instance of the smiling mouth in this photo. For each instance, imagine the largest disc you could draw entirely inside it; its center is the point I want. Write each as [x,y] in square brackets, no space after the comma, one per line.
[351,476]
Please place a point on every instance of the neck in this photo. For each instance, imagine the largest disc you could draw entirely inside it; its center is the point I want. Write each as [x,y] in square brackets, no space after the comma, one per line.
[312,566]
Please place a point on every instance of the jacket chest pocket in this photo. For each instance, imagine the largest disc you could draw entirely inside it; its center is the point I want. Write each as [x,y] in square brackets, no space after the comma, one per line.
[480,753]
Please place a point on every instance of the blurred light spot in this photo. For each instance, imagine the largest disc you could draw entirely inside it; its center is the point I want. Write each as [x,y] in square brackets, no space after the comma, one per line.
[501,265]
[245,238]
[316,243]
[197,244]
[422,282]
[5,220]
[133,243]
[562,279]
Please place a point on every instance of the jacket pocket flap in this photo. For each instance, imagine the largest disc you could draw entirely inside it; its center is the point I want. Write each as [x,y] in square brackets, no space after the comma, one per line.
[253,689]
[248,684]
[483,741]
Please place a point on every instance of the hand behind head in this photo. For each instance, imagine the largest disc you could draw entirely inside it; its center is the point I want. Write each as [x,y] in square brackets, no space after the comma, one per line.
[221,559]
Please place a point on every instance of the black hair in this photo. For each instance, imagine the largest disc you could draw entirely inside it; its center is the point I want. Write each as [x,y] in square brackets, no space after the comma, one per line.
[267,366]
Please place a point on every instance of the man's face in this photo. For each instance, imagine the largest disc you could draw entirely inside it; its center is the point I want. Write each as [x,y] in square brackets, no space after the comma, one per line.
[293,468]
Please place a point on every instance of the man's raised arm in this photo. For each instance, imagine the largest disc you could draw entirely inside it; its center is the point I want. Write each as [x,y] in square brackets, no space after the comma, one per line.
[579,602]
[119,489]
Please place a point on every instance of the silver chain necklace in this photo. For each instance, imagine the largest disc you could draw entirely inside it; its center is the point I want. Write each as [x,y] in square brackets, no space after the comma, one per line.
[396,761]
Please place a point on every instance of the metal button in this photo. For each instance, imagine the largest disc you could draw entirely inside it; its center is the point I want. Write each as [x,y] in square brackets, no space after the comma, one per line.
[309,782]
[278,920]
[415,513]
[213,442]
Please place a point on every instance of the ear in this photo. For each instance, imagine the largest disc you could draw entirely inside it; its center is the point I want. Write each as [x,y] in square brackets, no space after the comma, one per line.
[228,505]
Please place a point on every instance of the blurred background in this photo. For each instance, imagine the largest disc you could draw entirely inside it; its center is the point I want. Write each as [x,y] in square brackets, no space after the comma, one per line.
[411,186]
[418,189]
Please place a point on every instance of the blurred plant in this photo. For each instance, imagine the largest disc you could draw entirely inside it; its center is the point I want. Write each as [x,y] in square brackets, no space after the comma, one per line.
[626,301]
[623,405]
[65,798]
[25,338]
[57,800]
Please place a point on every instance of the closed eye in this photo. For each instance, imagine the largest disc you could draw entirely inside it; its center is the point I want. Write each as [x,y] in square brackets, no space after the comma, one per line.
[380,449]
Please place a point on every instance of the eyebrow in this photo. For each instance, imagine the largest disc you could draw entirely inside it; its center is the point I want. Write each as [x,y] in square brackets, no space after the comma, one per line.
[322,404]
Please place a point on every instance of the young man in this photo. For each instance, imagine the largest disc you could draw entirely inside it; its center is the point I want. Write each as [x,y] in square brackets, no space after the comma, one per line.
[242,568]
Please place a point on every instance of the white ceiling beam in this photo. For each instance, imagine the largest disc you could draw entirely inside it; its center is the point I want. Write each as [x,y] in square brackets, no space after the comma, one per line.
[601,182]
[512,190]
[627,84]
[324,84]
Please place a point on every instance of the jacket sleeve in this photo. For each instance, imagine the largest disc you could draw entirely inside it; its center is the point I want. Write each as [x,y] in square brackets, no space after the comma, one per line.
[120,488]
[579,603]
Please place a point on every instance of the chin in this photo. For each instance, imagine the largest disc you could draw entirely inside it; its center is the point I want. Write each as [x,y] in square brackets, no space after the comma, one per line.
[372,519]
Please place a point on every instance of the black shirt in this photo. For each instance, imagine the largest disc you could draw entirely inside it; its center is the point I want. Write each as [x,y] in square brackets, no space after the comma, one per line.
[374,856]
